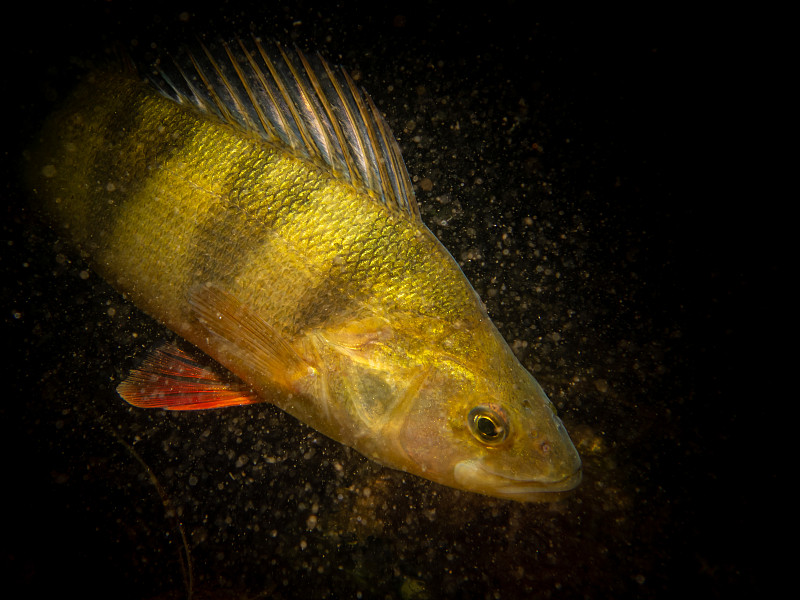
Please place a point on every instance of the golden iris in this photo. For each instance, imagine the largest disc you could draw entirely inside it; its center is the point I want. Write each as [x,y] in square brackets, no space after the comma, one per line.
[488,423]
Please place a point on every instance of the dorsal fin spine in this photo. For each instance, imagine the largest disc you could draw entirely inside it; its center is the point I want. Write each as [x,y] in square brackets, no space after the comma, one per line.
[269,128]
[322,142]
[345,160]
[356,147]
[218,101]
[198,98]
[362,129]
[379,140]
[262,120]
[225,81]
[316,112]
[400,180]
[283,89]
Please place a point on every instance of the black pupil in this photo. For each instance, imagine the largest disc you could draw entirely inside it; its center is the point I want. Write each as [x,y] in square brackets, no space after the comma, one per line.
[486,427]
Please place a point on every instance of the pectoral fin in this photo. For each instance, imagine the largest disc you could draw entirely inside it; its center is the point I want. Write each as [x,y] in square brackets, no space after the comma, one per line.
[246,340]
[171,378]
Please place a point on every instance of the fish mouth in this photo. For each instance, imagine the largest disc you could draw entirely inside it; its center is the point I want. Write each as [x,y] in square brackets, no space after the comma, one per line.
[475,476]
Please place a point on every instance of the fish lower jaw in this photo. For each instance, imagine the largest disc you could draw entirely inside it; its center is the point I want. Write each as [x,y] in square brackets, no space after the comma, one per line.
[474,476]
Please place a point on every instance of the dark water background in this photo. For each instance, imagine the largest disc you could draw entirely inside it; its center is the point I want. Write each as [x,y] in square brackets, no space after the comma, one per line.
[565,164]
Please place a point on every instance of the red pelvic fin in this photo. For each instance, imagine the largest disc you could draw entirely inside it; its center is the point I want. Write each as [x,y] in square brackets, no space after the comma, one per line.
[172,379]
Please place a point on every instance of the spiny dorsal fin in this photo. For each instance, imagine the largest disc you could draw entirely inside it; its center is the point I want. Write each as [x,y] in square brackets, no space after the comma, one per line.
[300,102]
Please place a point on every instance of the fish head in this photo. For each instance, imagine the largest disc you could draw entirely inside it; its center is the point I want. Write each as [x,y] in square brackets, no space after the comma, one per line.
[448,402]
[490,431]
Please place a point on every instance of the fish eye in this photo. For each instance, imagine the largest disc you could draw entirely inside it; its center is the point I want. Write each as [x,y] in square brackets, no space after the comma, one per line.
[488,423]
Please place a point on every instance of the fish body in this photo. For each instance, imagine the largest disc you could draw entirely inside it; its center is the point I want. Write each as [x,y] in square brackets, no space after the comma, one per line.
[260,209]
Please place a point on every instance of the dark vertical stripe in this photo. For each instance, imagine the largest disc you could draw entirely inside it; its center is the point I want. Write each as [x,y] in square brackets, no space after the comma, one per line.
[137,132]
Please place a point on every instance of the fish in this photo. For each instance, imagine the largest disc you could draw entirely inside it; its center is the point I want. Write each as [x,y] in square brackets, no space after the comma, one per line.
[253,199]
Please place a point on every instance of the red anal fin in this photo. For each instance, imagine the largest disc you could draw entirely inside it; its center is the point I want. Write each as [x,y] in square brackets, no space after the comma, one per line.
[170,378]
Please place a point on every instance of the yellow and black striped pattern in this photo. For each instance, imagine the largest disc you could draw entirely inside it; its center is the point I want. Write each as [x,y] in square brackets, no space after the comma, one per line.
[386,346]
[163,198]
